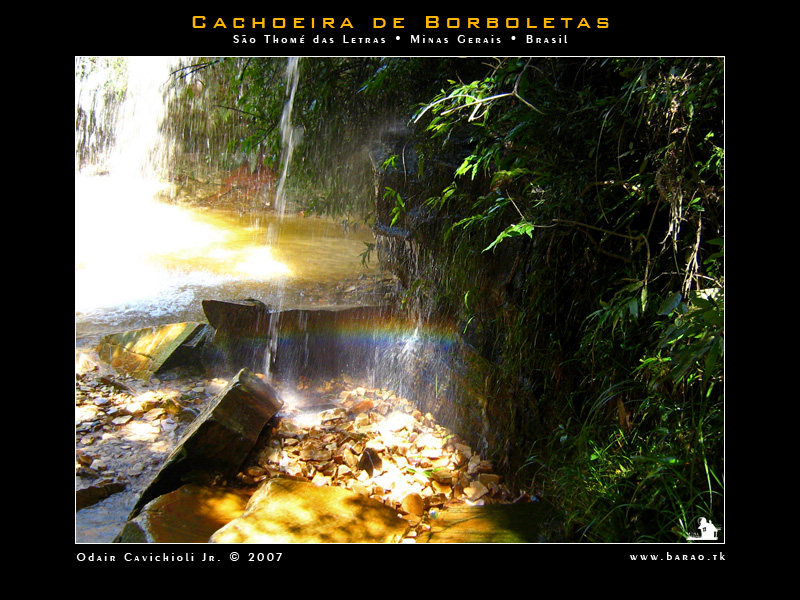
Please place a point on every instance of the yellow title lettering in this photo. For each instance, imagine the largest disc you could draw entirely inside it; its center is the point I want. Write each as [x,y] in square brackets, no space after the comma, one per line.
[380,23]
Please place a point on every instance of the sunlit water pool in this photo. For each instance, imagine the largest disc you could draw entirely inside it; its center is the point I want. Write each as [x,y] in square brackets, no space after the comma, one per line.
[140,263]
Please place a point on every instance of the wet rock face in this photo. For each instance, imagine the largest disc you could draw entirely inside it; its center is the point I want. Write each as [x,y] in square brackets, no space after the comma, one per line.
[321,342]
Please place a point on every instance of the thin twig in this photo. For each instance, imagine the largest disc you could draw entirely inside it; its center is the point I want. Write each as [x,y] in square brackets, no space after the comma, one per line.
[606,231]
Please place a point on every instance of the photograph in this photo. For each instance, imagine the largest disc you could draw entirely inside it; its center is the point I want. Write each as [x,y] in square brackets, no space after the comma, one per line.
[398,279]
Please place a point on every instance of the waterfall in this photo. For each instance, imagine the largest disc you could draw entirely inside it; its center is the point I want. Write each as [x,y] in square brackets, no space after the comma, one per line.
[139,145]
[288,132]
[119,226]
[120,106]
[288,137]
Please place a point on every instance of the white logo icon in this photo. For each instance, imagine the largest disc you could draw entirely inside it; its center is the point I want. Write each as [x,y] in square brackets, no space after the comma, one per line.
[708,531]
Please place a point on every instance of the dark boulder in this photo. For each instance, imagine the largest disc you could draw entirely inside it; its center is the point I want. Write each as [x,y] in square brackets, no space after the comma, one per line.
[219,439]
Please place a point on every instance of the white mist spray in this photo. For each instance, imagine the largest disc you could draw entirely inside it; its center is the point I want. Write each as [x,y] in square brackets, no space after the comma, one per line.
[139,144]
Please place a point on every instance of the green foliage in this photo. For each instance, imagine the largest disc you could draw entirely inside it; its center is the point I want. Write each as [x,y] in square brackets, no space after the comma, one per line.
[661,464]
[593,257]
[399,206]
[521,228]
[226,109]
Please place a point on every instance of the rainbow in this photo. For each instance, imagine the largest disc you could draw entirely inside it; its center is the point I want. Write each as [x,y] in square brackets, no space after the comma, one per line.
[323,341]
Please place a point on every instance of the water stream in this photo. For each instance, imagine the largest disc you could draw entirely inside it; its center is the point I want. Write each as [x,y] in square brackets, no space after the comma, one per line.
[288,133]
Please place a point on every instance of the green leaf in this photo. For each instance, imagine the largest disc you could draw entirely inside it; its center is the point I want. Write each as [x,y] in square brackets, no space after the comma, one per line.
[670,303]
[633,307]
[503,177]
[713,357]
[632,287]
[524,228]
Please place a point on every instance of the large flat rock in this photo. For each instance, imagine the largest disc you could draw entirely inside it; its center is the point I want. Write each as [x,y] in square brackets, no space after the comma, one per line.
[142,352]
[288,511]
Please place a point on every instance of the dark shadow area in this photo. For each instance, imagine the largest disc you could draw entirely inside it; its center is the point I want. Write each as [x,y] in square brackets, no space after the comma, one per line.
[529,522]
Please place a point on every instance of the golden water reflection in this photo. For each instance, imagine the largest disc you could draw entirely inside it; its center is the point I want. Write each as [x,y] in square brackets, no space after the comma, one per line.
[137,259]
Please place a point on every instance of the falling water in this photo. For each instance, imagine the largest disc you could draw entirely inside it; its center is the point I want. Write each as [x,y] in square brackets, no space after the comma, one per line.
[140,148]
[135,148]
[288,132]
[288,139]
